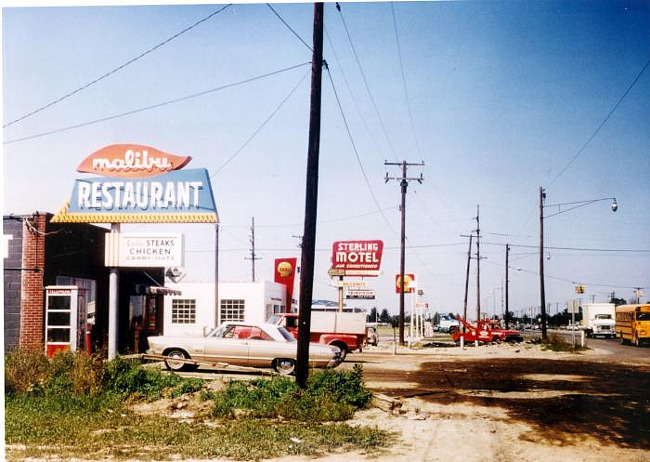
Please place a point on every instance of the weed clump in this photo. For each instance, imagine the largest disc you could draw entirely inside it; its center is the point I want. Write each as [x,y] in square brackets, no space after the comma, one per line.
[329,396]
[29,373]
[555,342]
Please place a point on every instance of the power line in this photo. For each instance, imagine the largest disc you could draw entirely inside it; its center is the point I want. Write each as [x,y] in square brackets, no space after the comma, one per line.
[356,153]
[571,281]
[607,117]
[365,80]
[579,249]
[155,106]
[259,129]
[354,100]
[290,28]
[406,93]
[117,69]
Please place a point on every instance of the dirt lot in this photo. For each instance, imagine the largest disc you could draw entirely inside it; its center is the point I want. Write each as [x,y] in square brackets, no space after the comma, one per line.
[497,403]
[508,403]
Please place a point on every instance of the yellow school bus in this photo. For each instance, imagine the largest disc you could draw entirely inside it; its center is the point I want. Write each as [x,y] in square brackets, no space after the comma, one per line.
[633,323]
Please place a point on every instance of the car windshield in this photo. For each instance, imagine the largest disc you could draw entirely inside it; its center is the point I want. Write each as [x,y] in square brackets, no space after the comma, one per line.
[285,333]
[643,316]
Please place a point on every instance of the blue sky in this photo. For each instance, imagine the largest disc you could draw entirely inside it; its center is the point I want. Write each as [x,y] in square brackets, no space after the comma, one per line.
[502,96]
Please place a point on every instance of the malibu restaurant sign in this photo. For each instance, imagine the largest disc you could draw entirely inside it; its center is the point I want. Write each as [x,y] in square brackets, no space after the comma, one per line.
[139,184]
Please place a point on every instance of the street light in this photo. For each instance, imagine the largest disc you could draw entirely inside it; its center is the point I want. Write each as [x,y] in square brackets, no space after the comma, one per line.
[560,209]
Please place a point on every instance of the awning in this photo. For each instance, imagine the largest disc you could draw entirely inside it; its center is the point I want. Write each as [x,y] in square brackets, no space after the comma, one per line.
[153,290]
[142,289]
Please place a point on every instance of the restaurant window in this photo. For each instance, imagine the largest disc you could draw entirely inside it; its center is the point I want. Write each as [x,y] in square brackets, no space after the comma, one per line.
[183,311]
[232,310]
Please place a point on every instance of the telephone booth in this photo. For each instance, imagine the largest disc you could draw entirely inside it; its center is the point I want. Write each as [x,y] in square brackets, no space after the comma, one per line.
[64,324]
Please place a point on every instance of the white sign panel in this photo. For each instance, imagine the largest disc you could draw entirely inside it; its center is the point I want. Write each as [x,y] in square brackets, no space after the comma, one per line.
[144,250]
[365,294]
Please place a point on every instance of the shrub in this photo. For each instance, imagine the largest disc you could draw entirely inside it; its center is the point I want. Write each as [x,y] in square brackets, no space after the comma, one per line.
[330,396]
[25,372]
[130,378]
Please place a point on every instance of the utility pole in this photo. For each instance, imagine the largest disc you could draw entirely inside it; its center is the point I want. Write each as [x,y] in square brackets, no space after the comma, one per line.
[506,315]
[216,275]
[478,266]
[542,291]
[469,259]
[404,181]
[311,203]
[253,256]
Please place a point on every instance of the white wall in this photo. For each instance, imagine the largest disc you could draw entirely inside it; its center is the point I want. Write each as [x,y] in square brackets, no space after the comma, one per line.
[259,299]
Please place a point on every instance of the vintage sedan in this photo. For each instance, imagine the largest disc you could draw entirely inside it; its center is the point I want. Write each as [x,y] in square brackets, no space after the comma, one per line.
[242,344]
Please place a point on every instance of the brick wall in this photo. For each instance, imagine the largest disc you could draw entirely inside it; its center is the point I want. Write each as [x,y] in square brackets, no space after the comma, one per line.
[32,304]
[12,227]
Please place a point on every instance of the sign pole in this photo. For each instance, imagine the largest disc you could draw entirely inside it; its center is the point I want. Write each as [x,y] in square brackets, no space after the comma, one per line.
[341,294]
[113,298]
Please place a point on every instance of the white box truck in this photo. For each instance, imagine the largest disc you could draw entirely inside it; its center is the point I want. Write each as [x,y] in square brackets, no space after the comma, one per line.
[599,320]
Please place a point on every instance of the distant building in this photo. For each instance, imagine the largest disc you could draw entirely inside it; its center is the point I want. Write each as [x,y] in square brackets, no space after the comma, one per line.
[193,312]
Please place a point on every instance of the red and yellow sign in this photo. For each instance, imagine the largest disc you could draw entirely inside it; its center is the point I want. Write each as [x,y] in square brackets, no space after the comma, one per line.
[357,258]
[285,272]
[408,279]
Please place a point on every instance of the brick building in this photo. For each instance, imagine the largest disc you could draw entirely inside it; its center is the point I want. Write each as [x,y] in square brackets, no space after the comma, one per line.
[38,253]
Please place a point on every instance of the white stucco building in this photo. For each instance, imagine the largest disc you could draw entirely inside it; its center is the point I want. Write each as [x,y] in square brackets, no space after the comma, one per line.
[194,310]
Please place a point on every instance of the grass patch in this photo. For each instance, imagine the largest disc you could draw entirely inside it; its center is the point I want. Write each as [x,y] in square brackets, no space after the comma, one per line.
[74,406]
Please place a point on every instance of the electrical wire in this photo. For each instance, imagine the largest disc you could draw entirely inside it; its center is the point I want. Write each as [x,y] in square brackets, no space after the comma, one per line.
[601,125]
[356,152]
[117,69]
[259,129]
[158,105]
[578,249]
[365,80]
[574,282]
[354,99]
[406,93]
[290,28]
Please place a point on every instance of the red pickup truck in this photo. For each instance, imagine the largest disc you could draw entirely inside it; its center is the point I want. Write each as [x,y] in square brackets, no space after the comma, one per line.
[344,330]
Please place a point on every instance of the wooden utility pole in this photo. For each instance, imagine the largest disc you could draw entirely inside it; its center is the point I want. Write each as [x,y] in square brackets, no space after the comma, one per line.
[311,203]
[542,291]
[404,181]
[506,315]
[253,256]
[469,259]
[478,266]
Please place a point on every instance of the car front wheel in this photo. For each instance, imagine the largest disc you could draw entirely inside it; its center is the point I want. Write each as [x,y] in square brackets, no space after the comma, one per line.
[285,366]
[176,365]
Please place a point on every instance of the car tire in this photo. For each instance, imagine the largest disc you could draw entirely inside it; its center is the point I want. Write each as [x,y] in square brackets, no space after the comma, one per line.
[284,366]
[176,365]
[343,347]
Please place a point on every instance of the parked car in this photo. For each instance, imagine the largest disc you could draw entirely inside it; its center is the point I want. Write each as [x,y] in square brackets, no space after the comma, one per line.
[242,344]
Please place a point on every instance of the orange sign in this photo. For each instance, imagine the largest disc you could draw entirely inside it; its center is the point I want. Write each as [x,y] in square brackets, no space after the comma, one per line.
[131,161]
[408,279]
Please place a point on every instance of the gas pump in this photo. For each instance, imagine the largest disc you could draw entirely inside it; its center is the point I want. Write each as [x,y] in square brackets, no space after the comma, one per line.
[62,318]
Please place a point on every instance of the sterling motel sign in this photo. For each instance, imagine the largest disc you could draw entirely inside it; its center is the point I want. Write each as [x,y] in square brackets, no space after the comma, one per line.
[356,258]
[139,184]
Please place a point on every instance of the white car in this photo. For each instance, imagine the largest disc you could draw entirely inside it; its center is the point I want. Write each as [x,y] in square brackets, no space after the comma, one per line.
[242,344]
